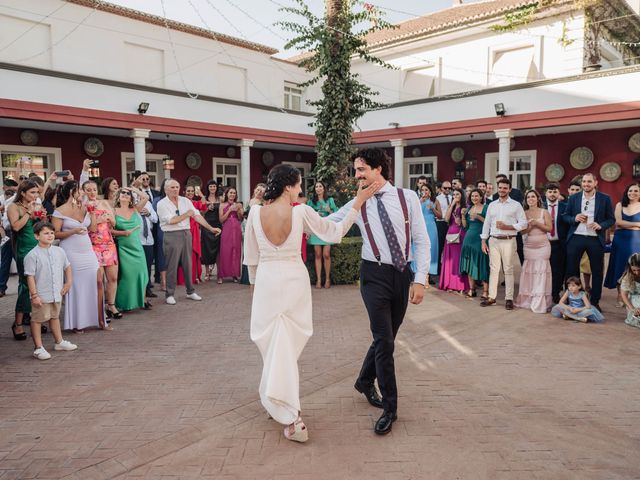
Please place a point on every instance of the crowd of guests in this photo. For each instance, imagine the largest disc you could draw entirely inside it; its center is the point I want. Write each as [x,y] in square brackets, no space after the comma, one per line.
[112,242]
[476,234]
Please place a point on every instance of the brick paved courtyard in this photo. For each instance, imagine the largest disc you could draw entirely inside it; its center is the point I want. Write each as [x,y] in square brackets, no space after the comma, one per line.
[172,394]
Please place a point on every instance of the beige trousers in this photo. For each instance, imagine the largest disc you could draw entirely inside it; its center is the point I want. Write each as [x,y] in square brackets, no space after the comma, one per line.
[501,254]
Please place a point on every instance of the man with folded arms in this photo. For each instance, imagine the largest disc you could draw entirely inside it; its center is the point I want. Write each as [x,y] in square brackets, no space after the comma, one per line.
[505,218]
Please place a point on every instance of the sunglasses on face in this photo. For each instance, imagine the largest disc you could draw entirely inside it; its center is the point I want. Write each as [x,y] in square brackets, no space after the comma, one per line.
[446,188]
[125,192]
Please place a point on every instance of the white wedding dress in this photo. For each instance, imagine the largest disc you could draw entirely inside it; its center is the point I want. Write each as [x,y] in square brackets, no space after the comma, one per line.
[281,322]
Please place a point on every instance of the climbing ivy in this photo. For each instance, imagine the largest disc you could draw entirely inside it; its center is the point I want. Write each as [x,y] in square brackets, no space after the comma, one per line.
[333,42]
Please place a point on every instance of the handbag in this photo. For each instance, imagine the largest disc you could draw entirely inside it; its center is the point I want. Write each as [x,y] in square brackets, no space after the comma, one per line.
[453,237]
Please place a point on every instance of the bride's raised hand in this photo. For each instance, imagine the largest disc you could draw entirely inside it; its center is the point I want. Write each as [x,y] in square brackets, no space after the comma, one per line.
[365,193]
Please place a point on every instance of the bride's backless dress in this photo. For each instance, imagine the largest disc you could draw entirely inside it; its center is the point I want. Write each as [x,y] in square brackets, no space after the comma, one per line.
[281,316]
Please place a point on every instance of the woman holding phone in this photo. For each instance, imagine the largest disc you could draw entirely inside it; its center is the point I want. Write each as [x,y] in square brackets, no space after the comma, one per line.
[133,275]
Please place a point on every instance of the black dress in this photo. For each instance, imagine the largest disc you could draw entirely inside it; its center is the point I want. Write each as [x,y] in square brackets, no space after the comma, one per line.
[210,242]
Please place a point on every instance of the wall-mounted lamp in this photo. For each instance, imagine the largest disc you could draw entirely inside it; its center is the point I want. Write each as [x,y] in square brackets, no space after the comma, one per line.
[143,107]
[394,124]
[500,110]
[168,163]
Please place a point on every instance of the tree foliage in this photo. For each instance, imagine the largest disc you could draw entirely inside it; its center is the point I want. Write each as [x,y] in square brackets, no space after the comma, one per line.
[333,42]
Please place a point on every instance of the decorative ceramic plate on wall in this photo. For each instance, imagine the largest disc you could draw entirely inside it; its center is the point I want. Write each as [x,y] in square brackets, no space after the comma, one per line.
[193,160]
[554,172]
[93,147]
[148,146]
[634,143]
[457,154]
[29,137]
[194,180]
[231,152]
[267,158]
[610,171]
[416,152]
[581,158]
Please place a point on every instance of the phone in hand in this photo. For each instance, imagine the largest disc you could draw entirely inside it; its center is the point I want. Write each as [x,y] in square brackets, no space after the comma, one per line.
[62,173]
[94,163]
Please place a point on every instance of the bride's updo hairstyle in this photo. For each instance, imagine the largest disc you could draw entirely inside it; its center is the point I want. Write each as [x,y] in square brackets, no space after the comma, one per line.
[280,177]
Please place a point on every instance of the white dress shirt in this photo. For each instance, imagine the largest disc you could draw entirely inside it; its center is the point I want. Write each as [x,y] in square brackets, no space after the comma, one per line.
[554,220]
[589,209]
[149,220]
[444,201]
[418,229]
[167,210]
[509,212]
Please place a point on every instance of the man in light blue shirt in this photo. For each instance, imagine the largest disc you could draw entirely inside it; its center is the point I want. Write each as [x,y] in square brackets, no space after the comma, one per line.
[389,223]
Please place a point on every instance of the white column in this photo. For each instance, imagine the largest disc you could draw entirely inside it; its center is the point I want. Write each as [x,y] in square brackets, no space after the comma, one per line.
[139,151]
[504,149]
[245,169]
[398,161]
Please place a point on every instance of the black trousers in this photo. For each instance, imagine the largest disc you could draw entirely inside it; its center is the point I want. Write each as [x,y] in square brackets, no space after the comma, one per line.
[385,292]
[576,246]
[442,235]
[557,261]
[149,251]
[520,248]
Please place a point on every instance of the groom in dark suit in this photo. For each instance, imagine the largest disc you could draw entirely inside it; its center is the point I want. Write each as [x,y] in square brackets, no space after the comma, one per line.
[557,238]
[589,215]
[389,223]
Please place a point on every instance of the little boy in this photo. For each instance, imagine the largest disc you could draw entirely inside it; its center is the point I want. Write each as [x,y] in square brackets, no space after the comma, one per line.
[46,268]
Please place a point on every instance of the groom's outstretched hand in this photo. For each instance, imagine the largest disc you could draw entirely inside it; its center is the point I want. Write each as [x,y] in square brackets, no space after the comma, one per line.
[416,293]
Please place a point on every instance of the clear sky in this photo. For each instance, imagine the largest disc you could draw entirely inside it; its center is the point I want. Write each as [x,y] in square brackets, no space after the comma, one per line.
[254,19]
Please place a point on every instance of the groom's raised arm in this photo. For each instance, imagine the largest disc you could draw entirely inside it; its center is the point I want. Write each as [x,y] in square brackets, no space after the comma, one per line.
[340,214]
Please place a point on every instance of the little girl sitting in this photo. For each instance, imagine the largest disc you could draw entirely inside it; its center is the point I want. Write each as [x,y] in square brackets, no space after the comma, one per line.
[574,304]
[630,290]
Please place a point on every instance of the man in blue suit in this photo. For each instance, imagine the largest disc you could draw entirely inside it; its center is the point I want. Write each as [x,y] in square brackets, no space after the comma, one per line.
[557,237]
[589,215]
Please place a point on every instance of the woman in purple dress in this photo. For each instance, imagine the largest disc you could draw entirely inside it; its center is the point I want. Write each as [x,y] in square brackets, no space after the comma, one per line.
[450,277]
[72,221]
[231,215]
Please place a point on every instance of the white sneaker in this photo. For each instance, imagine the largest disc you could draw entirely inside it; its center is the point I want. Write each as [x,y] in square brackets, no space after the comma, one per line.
[41,354]
[194,296]
[65,345]
[170,301]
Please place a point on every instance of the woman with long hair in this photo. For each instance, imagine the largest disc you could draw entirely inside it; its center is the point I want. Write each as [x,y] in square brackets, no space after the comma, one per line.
[133,275]
[109,189]
[22,215]
[431,211]
[626,240]
[535,278]
[281,316]
[210,242]
[231,216]
[630,290]
[103,220]
[72,223]
[321,249]
[473,261]
[450,276]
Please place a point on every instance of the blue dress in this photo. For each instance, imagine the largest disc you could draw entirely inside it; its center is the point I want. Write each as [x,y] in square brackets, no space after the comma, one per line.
[625,243]
[432,231]
[577,301]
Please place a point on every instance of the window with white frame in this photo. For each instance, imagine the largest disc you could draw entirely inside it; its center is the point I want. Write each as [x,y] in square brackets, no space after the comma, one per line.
[292,96]
[522,168]
[227,174]
[417,167]
[19,160]
[153,168]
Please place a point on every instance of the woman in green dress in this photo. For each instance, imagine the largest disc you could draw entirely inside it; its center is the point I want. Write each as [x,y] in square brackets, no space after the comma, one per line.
[473,261]
[22,214]
[321,249]
[132,274]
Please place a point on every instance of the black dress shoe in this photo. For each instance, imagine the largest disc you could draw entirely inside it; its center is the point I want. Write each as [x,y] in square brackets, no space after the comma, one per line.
[508,305]
[384,423]
[369,391]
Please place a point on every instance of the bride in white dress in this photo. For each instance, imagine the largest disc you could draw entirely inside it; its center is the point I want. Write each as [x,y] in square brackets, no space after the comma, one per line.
[281,322]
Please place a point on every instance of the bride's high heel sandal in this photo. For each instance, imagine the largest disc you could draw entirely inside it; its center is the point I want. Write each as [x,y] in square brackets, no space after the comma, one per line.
[300,432]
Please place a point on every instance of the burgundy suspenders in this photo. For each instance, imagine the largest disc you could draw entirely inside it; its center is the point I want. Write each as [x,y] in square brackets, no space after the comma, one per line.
[405,212]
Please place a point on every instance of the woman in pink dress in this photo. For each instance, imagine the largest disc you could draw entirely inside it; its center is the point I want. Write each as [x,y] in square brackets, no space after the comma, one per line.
[103,220]
[195,195]
[535,278]
[450,277]
[231,215]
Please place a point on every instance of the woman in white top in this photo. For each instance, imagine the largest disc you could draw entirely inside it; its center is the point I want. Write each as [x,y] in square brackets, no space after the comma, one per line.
[281,317]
